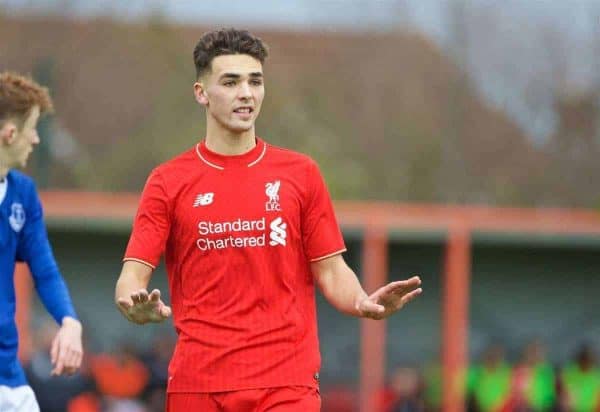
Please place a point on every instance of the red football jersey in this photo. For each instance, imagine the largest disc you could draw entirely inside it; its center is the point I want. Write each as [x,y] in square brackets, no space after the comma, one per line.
[239,233]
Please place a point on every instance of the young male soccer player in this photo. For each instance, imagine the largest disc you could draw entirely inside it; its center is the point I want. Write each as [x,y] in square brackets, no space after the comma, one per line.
[23,238]
[247,228]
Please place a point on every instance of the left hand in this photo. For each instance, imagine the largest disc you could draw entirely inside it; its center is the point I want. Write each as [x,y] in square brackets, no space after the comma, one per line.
[67,350]
[389,298]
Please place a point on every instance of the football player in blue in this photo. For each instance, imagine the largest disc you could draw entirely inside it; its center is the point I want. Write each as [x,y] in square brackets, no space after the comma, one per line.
[23,238]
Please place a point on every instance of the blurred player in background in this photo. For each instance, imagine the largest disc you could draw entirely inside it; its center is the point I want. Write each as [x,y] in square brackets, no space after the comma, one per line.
[23,238]
[246,228]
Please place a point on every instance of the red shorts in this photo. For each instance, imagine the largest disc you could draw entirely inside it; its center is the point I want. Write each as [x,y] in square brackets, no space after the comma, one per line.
[283,399]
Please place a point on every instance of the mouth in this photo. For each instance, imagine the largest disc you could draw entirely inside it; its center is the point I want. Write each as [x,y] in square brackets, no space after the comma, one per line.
[244,111]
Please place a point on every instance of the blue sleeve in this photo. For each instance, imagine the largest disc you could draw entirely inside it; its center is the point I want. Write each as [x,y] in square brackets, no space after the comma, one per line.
[34,248]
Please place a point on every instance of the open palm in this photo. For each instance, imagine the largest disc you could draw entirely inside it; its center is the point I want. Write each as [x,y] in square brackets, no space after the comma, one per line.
[390,298]
[142,307]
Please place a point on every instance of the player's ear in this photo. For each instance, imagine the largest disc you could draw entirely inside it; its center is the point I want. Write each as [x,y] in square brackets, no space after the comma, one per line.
[200,94]
[8,132]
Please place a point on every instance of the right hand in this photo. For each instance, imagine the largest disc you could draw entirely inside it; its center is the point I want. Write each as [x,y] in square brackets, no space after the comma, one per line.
[142,307]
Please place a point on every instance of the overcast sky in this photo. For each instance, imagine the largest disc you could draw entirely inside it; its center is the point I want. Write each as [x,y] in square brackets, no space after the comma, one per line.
[335,14]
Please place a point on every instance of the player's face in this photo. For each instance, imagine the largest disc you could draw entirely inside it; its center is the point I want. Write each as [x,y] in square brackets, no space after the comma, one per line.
[21,144]
[233,91]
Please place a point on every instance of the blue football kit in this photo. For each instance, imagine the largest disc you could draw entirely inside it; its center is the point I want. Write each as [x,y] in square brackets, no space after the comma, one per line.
[23,238]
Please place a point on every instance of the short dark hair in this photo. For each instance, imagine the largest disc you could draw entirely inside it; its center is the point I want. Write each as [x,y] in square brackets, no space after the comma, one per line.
[227,41]
[19,94]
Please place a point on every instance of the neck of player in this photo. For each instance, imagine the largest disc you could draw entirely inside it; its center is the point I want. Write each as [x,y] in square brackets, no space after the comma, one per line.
[3,166]
[228,143]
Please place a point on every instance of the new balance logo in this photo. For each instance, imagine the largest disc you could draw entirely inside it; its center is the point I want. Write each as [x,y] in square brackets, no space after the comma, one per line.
[204,199]
[278,232]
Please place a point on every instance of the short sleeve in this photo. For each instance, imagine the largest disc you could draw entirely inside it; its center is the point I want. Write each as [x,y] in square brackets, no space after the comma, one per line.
[151,224]
[321,235]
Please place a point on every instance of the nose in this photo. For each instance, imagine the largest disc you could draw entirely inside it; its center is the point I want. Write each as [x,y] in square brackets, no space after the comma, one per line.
[35,138]
[244,91]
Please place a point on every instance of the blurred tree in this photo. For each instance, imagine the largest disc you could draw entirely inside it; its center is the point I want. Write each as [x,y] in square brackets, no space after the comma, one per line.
[43,73]
[387,115]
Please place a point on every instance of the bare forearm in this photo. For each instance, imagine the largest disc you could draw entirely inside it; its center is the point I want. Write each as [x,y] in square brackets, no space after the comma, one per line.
[134,276]
[126,285]
[341,288]
[132,297]
[71,322]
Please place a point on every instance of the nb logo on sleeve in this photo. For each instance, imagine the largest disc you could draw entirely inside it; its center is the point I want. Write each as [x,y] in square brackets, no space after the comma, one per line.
[278,232]
[204,199]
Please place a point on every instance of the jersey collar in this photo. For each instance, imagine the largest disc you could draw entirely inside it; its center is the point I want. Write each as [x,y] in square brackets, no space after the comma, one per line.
[221,162]
[3,187]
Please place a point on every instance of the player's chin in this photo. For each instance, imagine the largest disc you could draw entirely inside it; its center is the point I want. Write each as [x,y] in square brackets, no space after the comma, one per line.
[240,127]
[26,159]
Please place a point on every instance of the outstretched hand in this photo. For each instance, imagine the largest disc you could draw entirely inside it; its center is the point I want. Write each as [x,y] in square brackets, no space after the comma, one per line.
[141,307]
[390,298]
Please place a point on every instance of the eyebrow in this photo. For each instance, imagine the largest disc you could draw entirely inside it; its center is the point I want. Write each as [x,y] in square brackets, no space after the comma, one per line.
[238,76]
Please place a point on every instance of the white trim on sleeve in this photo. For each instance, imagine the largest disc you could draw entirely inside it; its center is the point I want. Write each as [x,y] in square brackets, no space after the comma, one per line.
[139,261]
[3,187]
[329,255]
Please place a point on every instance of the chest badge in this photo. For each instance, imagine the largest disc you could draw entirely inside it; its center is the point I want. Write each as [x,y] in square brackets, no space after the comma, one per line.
[17,217]
[272,192]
